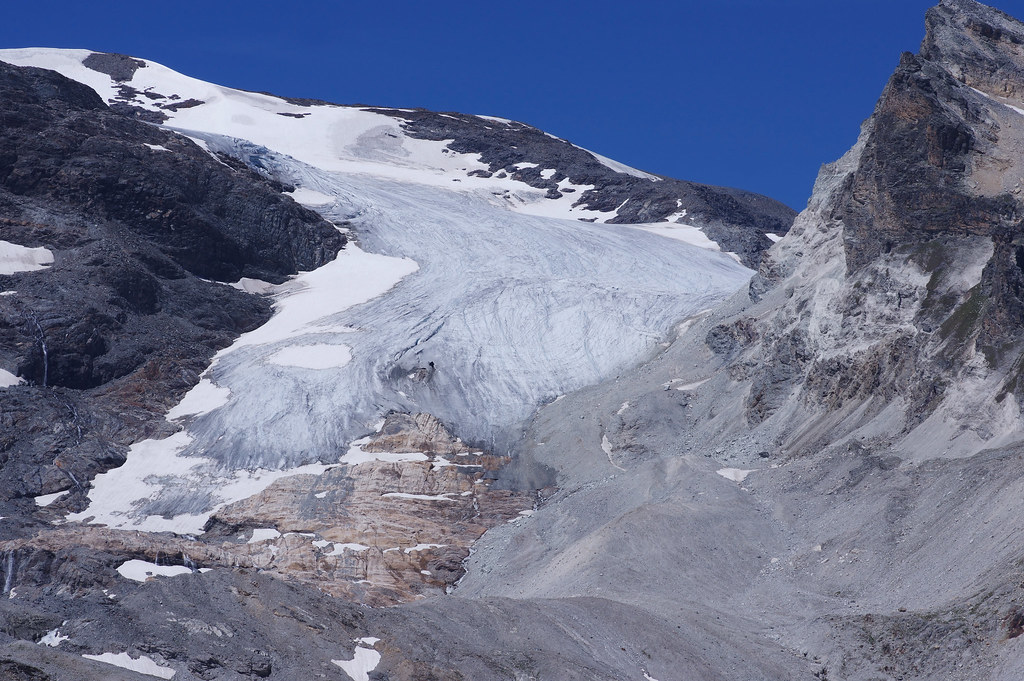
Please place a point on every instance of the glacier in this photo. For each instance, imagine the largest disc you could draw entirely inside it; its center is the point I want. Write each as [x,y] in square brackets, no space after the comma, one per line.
[473,299]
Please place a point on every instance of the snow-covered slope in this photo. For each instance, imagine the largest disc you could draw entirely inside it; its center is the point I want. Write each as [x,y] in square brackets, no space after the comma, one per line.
[472,298]
[337,139]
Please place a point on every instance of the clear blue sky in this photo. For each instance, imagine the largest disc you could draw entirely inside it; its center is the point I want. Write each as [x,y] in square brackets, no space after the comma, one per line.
[747,93]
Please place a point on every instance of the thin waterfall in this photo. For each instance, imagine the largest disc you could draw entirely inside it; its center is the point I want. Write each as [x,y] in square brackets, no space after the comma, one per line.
[9,565]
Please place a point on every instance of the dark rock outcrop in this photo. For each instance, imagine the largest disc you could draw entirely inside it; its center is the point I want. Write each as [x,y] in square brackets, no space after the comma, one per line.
[930,214]
[139,221]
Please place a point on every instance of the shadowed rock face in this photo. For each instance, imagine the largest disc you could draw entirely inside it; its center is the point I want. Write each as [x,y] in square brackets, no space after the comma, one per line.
[912,180]
[123,321]
[63,146]
[929,210]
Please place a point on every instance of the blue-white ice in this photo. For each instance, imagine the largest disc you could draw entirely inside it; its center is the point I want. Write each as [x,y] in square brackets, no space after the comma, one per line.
[513,310]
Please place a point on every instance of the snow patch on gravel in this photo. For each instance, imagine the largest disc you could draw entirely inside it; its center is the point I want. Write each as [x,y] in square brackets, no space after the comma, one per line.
[53,638]
[142,664]
[735,474]
[364,660]
[15,258]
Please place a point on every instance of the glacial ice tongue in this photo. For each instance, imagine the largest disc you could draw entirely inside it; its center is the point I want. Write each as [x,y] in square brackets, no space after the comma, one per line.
[453,305]
[505,312]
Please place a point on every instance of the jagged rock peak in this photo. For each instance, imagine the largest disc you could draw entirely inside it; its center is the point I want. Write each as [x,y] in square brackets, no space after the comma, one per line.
[979,45]
[902,287]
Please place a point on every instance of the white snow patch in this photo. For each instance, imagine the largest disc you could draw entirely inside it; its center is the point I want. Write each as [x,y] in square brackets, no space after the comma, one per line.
[422,497]
[302,303]
[531,201]
[141,570]
[7,379]
[156,147]
[774,238]
[143,476]
[250,285]
[342,548]
[53,638]
[364,661]
[623,408]
[619,167]
[318,356]
[47,499]
[678,215]
[203,398]
[424,547]
[311,197]
[688,234]
[320,495]
[15,258]
[735,474]
[356,455]
[548,173]
[142,665]
[606,445]
[261,534]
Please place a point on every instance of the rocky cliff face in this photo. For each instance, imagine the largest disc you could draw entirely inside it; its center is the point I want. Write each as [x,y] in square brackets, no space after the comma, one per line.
[138,221]
[915,311]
